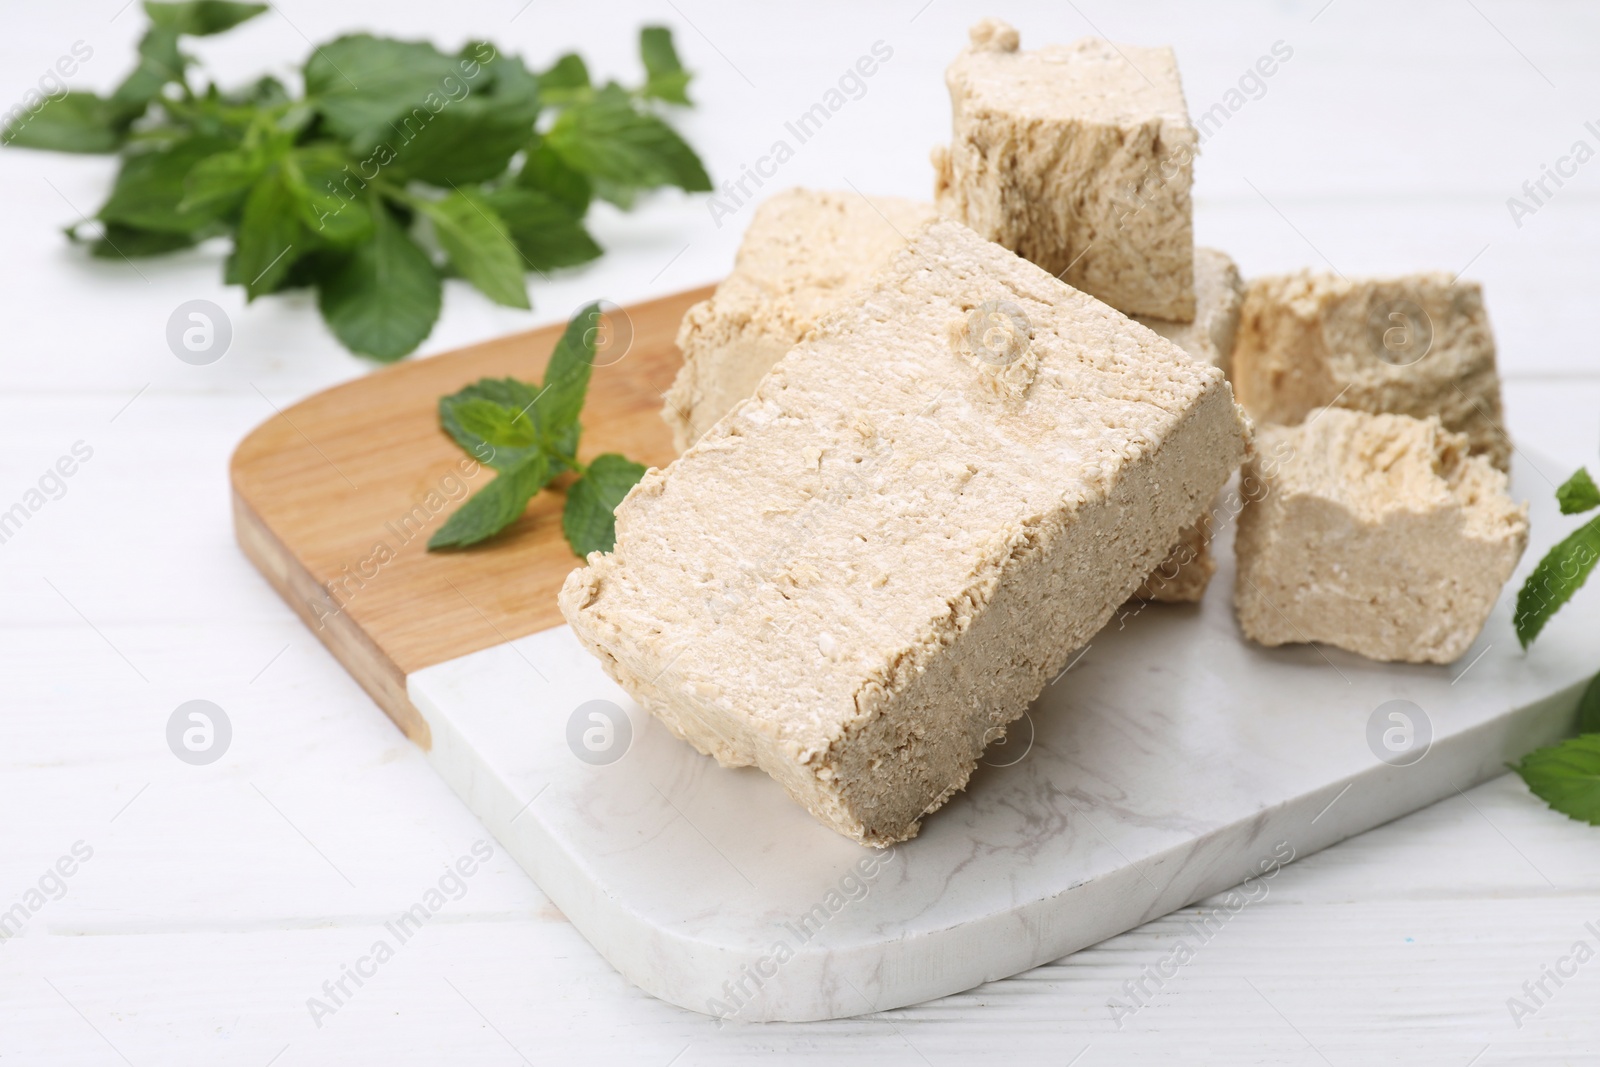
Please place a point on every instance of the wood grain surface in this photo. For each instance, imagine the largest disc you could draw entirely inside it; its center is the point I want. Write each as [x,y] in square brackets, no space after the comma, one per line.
[334,500]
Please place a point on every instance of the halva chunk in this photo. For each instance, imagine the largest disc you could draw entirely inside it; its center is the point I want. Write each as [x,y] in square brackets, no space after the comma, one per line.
[1381,534]
[1417,345]
[870,566]
[1080,158]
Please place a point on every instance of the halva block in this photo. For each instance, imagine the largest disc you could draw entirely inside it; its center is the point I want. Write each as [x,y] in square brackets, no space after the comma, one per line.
[869,567]
[1381,534]
[1417,345]
[1080,158]
[802,254]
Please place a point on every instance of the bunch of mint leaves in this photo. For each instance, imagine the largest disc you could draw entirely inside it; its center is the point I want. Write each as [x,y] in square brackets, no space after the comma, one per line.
[1566,775]
[528,435]
[399,164]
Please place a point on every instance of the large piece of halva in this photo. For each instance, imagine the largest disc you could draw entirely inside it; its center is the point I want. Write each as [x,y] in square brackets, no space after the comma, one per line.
[1080,158]
[863,572]
[1380,534]
[802,255]
[1418,345]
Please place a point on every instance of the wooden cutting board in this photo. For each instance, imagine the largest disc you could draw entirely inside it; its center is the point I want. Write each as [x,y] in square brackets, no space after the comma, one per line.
[334,499]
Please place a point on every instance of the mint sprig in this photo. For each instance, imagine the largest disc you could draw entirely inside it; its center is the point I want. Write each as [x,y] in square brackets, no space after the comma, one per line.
[1578,493]
[1567,775]
[1565,567]
[397,165]
[665,77]
[589,519]
[529,435]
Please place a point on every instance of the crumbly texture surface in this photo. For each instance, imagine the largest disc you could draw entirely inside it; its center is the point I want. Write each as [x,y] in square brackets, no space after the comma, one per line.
[1380,534]
[868,568]
[1183,576]
[1418,345]
[1218,295]
[803,254]
[1080,158]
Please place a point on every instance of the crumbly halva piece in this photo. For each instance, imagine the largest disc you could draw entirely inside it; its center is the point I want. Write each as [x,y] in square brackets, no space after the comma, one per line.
[1183,576]
[1381,534]
[1080,158]
[868,568]
[1417,345]
[803,253]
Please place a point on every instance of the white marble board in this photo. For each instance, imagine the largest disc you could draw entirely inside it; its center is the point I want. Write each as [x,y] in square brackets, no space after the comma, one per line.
[1171,761]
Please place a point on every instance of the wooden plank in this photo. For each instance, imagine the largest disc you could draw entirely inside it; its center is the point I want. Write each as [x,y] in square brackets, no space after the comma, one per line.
[335,497]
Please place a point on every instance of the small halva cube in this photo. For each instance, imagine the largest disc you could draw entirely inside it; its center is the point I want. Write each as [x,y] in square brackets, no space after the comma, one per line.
[1417,345]
[1080,158]
[869,567]
[1381,534]
[800,258]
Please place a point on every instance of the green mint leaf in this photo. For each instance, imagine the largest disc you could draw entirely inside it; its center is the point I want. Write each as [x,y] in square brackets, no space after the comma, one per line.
[589,518]
[510,78]
[1566,776]
[494,507]
[75,122]
[160,64]
[496,421]
[471,139]
[310,270]
[608,138]
[544,171]
[201,17]
[1589,708]
[623,196]
[270,238]
[365,86]
[665,77]
[567,78]
[149,190]
[328,194]
[218,184]
[505,427]
[1578,493]
[265,91]
[128,242]
[468,145]
[566,378]
[1555,578]
[544,229]
[382,298]
[479,246]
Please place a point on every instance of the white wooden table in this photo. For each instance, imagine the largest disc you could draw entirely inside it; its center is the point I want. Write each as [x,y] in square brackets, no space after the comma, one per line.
[216,900]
